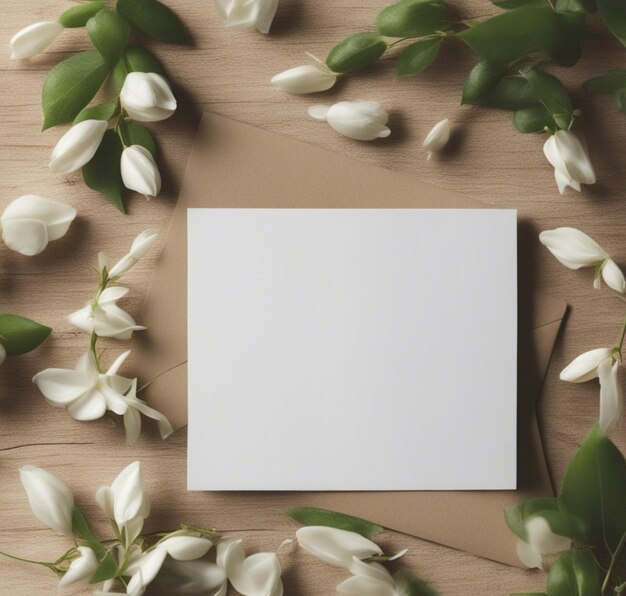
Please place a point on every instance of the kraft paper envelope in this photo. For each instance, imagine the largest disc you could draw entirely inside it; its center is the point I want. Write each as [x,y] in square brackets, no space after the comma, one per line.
[237,165]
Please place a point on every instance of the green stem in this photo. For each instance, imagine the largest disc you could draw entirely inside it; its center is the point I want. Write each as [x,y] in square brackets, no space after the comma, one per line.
[620,343]
[617,552]
[51,566]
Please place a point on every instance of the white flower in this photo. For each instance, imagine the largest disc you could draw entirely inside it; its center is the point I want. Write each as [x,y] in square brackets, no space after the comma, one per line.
[140,246]
[247,14]
[256,575]
[570,160]
[77,146]
[85,391]
[611,396]
[144,569]
[575,249]
[369,579]
[585,367]
[80,569]
[105,318]
[541,541]
[30,222]
[126,502]
[34,39]
[437,138]
[304,79]
[191,577]
[361,120]
[147,97]
[132,418]
[334,546]
[140,172]
[186,548]
[49,498]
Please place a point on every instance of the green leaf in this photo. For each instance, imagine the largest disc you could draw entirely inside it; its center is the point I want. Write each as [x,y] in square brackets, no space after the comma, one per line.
[418,57]
[509,4]
[482,79]
[155,20]
[19,335]
[77,16]
[135,59]
[355,52]
[613,13]
[606,84]
[533,120]
[517,33]
[511,93]
[136,134]
[576,6]
[312,516]
[103,111]
[620,100]
[552,95]
[71,85]
[529,594]
[106,570]
[81,528]
[574,573]
[594,490]
[413,586]
[517,515]
[412,18]
[103,173]
[108,32]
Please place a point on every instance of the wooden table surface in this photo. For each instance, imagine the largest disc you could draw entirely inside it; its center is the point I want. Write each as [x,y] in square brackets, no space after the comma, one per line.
[229,72]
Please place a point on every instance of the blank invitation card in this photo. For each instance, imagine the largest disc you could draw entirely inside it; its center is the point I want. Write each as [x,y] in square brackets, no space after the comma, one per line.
[352,349]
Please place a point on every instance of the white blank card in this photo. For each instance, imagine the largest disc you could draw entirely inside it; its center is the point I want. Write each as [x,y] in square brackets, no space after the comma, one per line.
[352,349]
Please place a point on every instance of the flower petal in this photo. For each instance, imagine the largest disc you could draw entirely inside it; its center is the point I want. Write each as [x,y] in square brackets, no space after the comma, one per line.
[613,276]
[542,539]
[611,396]
[29,237]
[186,548]
[132,424]
[573,248]
[585,367]
[90,406]
[80,569]
[529,557]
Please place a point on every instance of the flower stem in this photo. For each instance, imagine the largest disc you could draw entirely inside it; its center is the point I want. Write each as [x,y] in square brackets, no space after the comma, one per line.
[618,550]
[620,343]
[51,566]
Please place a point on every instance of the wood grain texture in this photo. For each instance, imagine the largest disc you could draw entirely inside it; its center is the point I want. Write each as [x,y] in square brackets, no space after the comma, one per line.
[229,73]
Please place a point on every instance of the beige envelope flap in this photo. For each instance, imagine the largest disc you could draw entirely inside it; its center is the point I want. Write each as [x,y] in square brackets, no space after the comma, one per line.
[237,165]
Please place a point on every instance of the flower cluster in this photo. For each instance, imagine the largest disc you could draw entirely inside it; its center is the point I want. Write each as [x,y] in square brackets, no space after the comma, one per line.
[576,250]
[120,156]
[177,562]
[87,391]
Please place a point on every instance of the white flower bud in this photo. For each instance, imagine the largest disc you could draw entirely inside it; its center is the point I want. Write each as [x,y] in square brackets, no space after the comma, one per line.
[304,79]
[147,97]
[49,498]
[34,39]
[611,396]
[241,15]
[80,569]
[140,172]
[30,222]
[77,146]
[437,138]
[361,120]
[186,548]
[334,546]
[585,367]
[140,246]
[570,160]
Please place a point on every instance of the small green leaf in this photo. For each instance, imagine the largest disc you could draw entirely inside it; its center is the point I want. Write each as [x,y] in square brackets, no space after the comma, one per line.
[136,134]
[103,111]
[155,20]
[482,79]
[613,13]
[413,586]
[109,32]
[620,100]
[412,18]
[312,516]
[576,6]
[552,95]
[606,84]
[103,173]
[594,490]
[19,335]
[418,57]
[509,4]
[521,32]
[77,16]
[574,573]
[511,93]
[81,528]
[71,85]
[355,52]
[106,570]
[533,120]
